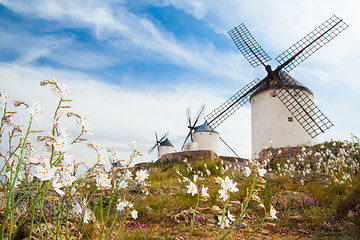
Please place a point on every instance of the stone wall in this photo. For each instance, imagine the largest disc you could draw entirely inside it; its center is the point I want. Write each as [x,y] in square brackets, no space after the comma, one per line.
[191,155]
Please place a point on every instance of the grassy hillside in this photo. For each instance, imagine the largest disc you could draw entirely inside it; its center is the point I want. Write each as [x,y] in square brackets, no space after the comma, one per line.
[312,200]
[288,193]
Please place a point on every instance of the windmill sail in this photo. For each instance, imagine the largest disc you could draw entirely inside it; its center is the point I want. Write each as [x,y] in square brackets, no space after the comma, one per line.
[225,110]
[248,46]
[301,106]
[309,44]
[158,141]
[191,126]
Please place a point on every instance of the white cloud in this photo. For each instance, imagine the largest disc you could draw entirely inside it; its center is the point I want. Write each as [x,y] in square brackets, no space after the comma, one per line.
[120,114]
[117,114]
[134,33]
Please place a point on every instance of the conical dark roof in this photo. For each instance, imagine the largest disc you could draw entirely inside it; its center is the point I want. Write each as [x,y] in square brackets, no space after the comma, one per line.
[204,128]
[286,80]
[166,142]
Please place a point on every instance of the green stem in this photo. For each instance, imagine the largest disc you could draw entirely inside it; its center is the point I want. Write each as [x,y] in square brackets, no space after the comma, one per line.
[222,217]
[31,224]
[262,222]
[243,211]
[193,217]
[21,153]
[81,133]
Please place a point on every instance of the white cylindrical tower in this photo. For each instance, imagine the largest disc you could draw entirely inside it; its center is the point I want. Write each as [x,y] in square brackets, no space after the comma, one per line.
[191,146]
[206,138]
[165,147]
[272,125]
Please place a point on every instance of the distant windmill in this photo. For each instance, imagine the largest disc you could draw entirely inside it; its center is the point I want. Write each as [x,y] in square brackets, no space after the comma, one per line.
[163,145]
[281,107]
[202,136]
[192,125]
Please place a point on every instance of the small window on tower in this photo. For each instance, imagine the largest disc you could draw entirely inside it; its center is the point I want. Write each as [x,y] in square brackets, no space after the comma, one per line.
[290,119]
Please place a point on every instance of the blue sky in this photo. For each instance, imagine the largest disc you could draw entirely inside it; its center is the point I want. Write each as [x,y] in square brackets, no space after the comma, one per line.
[136,66]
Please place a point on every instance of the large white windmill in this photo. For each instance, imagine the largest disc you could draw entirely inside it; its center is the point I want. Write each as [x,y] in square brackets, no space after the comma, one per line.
[283,112]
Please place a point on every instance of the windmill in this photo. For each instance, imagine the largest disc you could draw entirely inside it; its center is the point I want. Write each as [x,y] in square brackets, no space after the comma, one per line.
[202,136]
[290,99]
[163,145]
[192,127]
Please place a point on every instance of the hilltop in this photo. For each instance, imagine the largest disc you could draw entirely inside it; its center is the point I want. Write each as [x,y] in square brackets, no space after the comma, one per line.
[288,193]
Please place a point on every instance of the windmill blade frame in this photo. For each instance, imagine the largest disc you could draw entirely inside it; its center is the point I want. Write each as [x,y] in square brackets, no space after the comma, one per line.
[309,44]
[191,126]
[199,114]
[248,46]
[157,144]
[225,110]
[302,107]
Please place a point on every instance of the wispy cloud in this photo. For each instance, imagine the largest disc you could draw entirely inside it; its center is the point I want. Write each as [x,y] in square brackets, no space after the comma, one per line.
[126,31]
[133,76]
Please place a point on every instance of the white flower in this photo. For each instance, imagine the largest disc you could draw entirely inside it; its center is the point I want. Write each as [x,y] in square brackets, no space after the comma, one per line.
[36,111]
[255,198]
[123,184]
[82,120]
[68,160]
[127,175]
[231,217]
[76,209]
[56,184]
[223,194]
[60,144]
[5,98]
[103,181]
[247,171]
[133,144]
[121,205]
[64,132]
[134,214]
[204,193]
[10,177]
[223,222]
[185,179]
[68,179]
[219,180]
[87,216]
[88,130]
[63,89]
[141,175]
[192,189]
[273,212]
[228,185]
[45,173]
[216,208]
[261,172]
[35,159]
[102,156]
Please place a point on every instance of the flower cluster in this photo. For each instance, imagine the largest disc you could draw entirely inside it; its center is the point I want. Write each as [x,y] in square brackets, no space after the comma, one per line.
[228,188]
[338,163]
[39,168]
